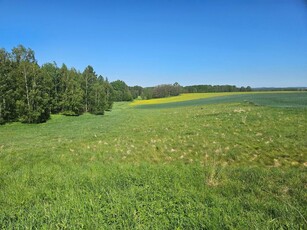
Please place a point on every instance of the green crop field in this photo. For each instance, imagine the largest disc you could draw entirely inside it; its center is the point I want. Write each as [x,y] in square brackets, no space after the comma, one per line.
[230,162]
[273,99]
[212,96]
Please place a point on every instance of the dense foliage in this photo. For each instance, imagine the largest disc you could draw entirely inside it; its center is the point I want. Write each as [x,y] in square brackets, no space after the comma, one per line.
[159,91]
[121,91]
[215,88]
[30,93]
[168,90]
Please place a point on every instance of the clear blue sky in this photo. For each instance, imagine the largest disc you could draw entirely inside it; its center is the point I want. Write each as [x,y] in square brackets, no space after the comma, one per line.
[241,42]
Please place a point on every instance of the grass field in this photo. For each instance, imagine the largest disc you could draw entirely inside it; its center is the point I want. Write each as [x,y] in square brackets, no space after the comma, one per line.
[232,164]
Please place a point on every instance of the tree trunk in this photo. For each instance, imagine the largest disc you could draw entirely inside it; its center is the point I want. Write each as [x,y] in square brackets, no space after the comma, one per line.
[86,105]
[26,84]
[0,110]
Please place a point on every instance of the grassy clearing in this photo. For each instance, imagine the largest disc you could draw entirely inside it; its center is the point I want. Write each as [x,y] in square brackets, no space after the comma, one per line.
[224,166]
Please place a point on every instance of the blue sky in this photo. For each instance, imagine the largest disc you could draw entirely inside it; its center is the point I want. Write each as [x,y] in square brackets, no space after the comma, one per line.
[240,42]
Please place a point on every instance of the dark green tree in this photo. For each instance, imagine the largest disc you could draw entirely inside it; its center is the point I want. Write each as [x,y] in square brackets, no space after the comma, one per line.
[98,97]
[109,91]
[166,90]
[33,99]
[136,91]
[72,93]
[52,74]
[7,89]
[89,79]
[121,91]
[147,93]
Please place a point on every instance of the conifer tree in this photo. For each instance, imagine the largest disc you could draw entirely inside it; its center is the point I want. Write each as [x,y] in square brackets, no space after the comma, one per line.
[89,79]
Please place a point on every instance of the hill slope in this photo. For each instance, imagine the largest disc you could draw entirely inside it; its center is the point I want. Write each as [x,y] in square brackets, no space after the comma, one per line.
[230,165]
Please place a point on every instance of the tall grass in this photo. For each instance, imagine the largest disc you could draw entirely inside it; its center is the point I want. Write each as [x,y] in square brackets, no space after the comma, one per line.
[219,166]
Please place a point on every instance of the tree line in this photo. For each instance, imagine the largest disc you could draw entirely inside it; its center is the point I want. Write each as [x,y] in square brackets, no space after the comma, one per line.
[159,91]
[167,90]
[30,93]
[215,88]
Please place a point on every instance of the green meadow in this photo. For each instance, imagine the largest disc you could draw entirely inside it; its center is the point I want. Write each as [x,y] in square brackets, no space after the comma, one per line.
[231,162]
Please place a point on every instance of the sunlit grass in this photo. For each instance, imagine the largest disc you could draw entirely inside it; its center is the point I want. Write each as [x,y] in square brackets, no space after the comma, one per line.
[226,166]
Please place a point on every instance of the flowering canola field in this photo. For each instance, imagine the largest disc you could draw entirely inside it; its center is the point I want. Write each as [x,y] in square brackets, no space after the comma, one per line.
[194,96]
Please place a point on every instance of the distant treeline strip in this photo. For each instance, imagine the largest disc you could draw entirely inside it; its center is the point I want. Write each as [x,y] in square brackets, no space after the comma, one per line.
[175,89]
[215,88]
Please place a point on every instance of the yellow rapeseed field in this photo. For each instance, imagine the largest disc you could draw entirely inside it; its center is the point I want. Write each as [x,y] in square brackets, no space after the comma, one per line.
[191,96]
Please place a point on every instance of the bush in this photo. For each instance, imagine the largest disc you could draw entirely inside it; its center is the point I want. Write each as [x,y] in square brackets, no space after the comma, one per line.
[70,113]
[2,121]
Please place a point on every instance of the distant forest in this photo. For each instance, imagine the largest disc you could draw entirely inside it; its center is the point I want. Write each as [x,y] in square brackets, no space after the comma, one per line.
[31,93]
[175,89]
